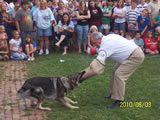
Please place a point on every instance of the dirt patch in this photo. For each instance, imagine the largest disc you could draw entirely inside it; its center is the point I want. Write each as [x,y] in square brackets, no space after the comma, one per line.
[11,108]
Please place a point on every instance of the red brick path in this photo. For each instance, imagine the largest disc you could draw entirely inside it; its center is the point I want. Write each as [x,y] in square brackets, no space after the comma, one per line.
[11,108]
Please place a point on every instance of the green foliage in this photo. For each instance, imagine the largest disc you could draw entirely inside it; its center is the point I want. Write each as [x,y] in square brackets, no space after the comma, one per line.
[143,86]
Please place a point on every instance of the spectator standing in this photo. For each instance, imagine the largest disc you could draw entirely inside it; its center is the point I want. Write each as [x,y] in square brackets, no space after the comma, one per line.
[143,5]
[35,7]
[107,11]
[157,23]
[72,10]
[83,15]
[14,10]
[96,15]
[98,3]
[132,16]
[23,21]
[44,19]
[62,6]
[142,23]
[6,19]
[153,8]
[54,7]
[127,5]
[119,15]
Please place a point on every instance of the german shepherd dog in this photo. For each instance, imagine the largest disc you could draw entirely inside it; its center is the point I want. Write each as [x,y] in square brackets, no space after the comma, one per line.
[55,88]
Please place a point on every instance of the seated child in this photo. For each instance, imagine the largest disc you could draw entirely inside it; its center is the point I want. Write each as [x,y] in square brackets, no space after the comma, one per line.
[15,47]
[150,40]
[129,35]
[30,47]
[3,50]
[115,30]
[92,29]
[3,44]
[138,40]
[122,33]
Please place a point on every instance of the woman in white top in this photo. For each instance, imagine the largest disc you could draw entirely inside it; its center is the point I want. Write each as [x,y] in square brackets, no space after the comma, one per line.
[44,18]
[119,15]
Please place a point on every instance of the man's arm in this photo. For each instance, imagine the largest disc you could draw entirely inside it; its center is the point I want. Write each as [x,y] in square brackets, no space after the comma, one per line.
[96,67]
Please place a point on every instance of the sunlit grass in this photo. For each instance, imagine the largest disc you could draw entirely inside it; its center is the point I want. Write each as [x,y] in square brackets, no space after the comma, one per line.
[142,86]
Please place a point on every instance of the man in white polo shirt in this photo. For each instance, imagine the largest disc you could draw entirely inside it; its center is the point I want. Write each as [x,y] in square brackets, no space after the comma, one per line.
[127,55]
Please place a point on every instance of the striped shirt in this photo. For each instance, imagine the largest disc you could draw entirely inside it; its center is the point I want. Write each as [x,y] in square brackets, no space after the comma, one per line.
[141,7]
[132,16]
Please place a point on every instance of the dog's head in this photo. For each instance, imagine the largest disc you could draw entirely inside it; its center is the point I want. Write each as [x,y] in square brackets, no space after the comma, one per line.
[23,93]
[76,78]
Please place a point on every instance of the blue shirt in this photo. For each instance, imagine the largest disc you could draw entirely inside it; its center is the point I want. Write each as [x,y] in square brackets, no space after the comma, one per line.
[65,25]
[34,8]
[34,44]
[142,23]
[140,42]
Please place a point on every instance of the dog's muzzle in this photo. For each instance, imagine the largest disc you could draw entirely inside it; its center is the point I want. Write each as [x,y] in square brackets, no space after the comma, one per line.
[23,94]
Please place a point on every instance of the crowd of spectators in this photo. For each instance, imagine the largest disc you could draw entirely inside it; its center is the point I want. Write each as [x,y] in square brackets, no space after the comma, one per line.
[48,23]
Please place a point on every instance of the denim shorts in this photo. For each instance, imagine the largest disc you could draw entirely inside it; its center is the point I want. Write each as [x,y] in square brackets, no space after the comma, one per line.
[44,32]
[121,26]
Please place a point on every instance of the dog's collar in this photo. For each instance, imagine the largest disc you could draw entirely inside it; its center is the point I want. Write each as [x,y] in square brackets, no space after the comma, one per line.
[70,84]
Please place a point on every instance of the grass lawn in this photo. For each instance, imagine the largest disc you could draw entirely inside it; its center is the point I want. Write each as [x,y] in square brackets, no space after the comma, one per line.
[141,88]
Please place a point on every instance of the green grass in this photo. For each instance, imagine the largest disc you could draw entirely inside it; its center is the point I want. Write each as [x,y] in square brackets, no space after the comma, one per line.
[142,86]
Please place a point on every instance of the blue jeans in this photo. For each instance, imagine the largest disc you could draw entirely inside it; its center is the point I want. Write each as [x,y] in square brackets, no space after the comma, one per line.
[82,31]
[121,26]
[99,28]
[18,56]
[44,32]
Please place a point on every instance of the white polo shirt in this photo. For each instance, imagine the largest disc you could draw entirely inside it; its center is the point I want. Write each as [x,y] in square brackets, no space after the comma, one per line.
[115,47]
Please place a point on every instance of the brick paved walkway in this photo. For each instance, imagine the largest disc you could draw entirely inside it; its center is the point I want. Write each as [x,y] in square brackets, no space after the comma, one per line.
[11,108]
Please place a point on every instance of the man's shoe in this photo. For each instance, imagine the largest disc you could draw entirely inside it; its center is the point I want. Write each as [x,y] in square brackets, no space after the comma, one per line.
[115,104]
[108,97]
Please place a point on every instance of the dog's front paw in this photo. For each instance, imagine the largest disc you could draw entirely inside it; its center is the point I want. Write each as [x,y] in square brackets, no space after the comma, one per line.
[45,108]
[74,102]
[75,107]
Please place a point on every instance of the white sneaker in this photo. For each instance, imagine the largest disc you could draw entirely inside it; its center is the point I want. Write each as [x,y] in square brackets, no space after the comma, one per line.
[47,51]
[29,59]
[32,58]
[40,52]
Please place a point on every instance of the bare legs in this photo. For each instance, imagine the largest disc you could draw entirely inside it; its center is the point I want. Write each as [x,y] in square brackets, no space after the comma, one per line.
[61,40]
[84,47]
[44,43]
[29,50]
[65,50]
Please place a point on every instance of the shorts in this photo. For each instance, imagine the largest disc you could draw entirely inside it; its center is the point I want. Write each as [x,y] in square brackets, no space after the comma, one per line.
[44,32]
[105,26]
[75,27]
